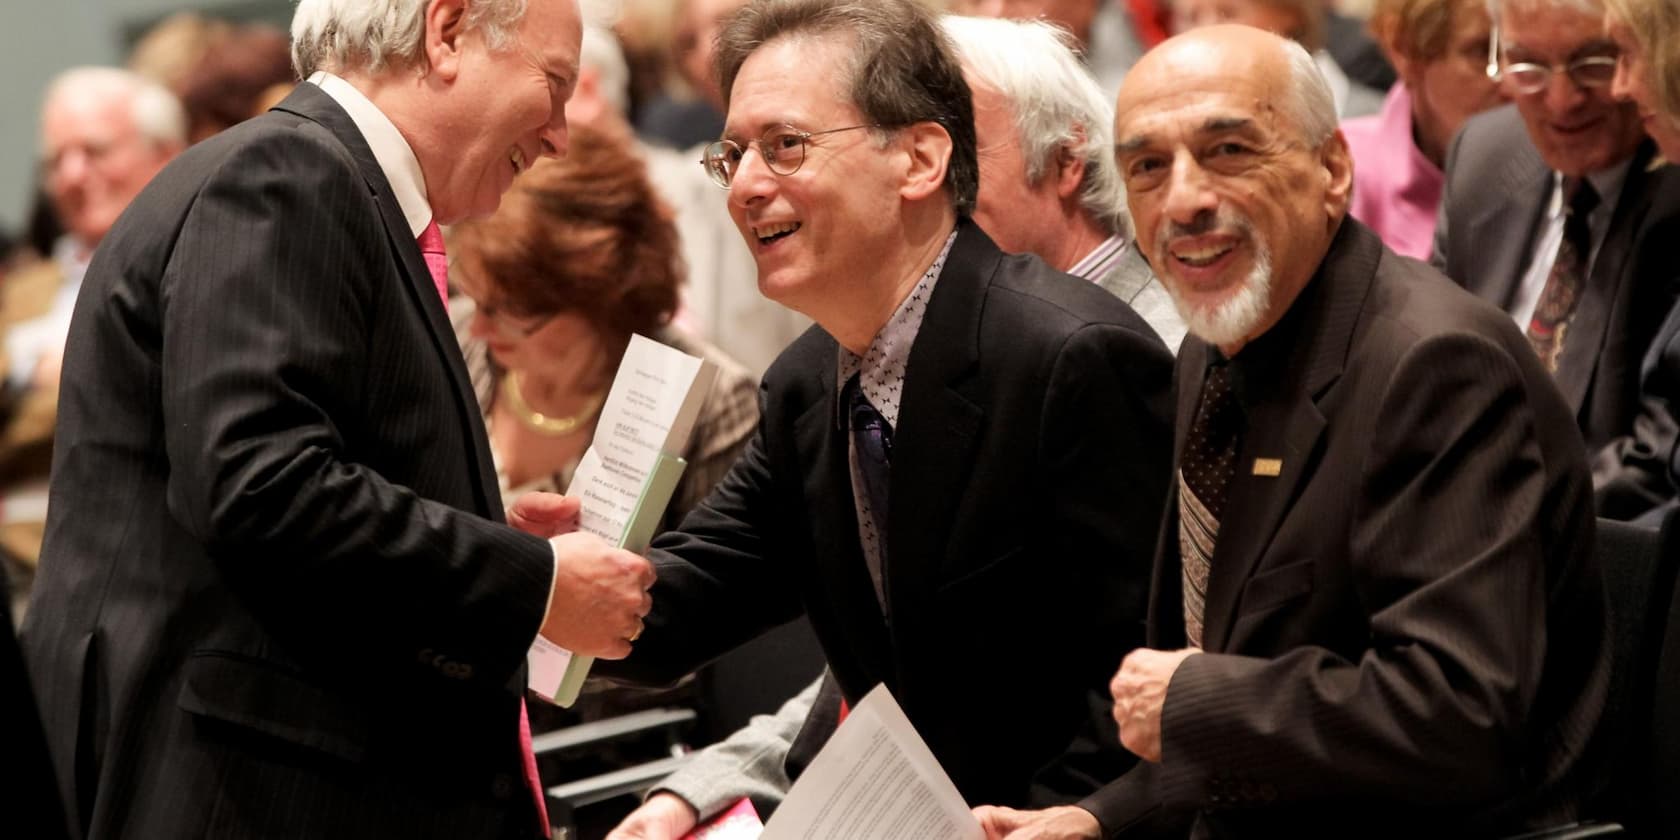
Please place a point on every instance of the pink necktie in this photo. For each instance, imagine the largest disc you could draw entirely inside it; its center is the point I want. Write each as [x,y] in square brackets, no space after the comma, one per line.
[431,247]
[531,777]
[437,262]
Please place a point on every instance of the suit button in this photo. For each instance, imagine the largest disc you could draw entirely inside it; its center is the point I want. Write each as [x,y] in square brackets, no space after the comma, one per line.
[502,786]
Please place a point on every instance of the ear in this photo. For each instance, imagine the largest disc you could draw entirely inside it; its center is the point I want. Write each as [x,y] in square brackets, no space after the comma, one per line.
[1338,169]
[1069,169]
[586,104]
[928,150]
[445,22]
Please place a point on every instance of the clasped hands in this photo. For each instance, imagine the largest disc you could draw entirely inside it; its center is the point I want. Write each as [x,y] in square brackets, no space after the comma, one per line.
[1140,692]
[600,592]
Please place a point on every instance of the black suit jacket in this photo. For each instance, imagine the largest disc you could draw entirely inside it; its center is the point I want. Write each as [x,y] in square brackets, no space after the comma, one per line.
[274,598]
[1028,468]
[1404,633]
[1497,187]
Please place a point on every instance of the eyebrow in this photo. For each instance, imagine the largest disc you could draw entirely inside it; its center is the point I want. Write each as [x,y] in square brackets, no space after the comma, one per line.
[1212,125]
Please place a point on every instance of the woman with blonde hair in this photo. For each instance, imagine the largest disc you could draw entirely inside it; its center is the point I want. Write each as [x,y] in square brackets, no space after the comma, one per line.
[1648,72]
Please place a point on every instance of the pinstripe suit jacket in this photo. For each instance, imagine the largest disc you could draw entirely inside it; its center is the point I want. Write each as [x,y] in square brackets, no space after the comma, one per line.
[274,598]
[1404,631]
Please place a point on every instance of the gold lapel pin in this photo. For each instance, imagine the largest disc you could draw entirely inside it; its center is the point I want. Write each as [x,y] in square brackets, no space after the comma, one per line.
[1269,467]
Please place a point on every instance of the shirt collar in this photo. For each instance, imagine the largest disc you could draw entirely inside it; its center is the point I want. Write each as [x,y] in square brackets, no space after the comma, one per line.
[395,157]
[1606,182]
[1101,259]
[880,369]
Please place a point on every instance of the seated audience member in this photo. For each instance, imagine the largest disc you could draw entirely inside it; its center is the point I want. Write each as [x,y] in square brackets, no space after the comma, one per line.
[964,464]
[104,133]
[682,121]
[1102,29]
[580,255]
[721,302]
[1302,21]
[1554,211]
[1049,187]
[1440,49]
[1375,610]
[1647,32]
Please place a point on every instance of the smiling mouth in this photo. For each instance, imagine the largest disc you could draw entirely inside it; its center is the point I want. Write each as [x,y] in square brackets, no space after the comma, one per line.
[516,156]
[772,233]
[1203,256]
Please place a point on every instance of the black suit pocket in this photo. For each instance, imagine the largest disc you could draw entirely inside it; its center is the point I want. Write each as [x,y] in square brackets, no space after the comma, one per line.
[262,696]
[1276,586]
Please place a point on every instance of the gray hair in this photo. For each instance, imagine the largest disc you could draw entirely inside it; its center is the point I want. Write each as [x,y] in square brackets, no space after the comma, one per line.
[1055,101]
[602,53]
[371,35]
[157,113]
[1310,99]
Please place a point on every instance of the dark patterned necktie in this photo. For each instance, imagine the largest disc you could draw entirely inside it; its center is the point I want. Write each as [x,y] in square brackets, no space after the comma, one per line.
[872,437]
[1204,479]
[1550,324]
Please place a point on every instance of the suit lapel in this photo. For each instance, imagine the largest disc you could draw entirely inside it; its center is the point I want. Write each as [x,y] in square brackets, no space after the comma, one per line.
[933,444]
[1590,326]
[1284,423]
[1503,230]
[843,577]
[310,102]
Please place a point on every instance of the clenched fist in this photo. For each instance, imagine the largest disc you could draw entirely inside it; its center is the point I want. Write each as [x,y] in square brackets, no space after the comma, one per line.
[600,596]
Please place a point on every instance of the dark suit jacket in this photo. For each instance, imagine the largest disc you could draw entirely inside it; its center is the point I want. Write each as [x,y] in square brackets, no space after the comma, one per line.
[1496,189]
[274,599]
[1404,633]
[1028,468]
[1642,468]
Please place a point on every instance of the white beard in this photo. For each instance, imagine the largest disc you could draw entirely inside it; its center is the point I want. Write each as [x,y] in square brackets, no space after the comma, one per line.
[1234,319]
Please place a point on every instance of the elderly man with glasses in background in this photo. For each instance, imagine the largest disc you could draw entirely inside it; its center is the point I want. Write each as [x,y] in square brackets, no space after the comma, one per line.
[1552,209]
[959,473]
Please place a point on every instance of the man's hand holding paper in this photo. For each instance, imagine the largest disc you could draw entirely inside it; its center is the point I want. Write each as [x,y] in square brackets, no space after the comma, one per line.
[545,515]
[599,596]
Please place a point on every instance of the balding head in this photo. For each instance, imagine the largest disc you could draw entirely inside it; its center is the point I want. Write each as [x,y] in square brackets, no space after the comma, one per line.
[1236,176]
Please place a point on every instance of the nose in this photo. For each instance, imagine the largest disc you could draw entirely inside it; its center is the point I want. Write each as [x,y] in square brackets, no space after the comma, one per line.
[753,181]
[1189,196]
[481,327]
[1621,85]
[67,168]
[1561,93]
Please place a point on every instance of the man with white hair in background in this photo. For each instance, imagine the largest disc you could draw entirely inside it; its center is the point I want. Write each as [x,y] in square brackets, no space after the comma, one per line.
[1048,187]
[104,133]
[721,300]
[1557,209]
[278,597]
[1375,608]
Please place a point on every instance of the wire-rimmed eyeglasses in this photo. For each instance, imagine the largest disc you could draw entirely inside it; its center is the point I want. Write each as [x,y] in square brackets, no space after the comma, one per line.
[782,147]
[1530,77]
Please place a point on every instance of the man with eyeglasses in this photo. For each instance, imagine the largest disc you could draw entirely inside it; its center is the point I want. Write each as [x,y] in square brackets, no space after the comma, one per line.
[959,473]
[1548,205]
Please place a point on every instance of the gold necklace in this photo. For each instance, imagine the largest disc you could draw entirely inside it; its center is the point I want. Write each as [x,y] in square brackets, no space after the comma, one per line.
[540,422]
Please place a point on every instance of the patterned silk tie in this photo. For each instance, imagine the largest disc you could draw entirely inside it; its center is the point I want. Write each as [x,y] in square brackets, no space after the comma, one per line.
[1550,324]
[872,436]
[437,262]
[1204,478]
